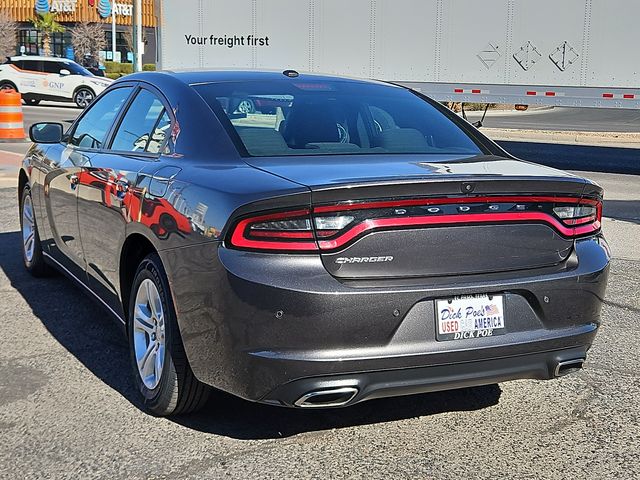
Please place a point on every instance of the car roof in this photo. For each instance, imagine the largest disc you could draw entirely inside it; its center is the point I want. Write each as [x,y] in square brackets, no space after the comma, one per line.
[192,77]
[40,57]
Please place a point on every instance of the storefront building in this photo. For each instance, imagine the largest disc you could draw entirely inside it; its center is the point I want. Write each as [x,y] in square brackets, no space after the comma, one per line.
[70,12]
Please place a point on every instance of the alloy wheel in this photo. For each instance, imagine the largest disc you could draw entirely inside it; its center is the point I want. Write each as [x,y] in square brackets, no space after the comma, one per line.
[149,333]
[246,106]
[84,98]
[28,229]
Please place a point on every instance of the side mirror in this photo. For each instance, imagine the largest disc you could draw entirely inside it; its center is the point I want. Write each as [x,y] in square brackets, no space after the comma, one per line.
[64,72]
[46,133]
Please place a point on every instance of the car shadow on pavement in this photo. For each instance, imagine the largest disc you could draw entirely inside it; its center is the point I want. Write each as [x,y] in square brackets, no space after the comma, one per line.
[72,318]
[89,334]
[232,417]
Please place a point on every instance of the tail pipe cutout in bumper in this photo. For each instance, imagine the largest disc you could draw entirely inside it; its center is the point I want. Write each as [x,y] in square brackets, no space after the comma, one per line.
[342,394]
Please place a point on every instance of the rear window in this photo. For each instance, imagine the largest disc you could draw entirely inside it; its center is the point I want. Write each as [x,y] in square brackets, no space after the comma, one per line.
[303,117]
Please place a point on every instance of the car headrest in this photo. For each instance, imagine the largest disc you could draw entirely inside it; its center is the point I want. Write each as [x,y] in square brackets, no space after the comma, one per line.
[402,140]
[311,123]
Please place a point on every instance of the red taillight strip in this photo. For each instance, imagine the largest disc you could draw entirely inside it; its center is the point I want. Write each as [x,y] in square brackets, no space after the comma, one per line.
[239,240]
[454,200]
[266,245]
[453,220]
[307,242]
[580,221]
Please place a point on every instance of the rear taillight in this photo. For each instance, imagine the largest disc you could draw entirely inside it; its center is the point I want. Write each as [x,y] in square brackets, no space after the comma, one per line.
[327,226]
[585,217]
[278,231]
[576,214]
[332,227]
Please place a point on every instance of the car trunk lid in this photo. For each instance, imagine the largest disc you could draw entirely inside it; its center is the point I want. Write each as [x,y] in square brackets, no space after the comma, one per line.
[390,218]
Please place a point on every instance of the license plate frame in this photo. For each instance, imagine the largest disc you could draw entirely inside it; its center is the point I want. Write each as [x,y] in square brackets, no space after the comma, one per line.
[470,317]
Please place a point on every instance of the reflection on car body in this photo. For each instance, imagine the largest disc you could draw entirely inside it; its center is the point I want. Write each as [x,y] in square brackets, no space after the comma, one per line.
[137,204]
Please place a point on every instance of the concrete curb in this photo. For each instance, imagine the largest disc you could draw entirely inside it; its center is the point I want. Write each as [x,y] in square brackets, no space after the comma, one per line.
[508,113]
[606,139]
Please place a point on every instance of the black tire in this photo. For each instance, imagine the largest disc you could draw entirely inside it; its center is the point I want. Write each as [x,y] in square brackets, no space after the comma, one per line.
[7,85]
[32,101]
[178,391]
[83,97]
[34,263]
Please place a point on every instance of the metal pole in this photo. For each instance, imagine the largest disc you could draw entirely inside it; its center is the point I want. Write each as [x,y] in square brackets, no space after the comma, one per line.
[113,33]
[137,35]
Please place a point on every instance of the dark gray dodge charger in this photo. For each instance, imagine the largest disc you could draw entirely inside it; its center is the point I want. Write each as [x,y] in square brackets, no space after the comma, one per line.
[312,241]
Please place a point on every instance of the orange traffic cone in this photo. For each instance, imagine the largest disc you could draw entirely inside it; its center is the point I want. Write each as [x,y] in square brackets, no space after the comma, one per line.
[11,118]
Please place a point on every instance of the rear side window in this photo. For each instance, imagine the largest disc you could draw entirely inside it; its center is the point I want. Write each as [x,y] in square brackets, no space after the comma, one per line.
[144,126]
[158,140]
[32,65]
[332,117]
[91,130]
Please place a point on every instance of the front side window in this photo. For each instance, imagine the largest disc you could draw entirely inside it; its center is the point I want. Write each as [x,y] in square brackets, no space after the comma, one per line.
[76,69]
[91,130]
[332,117]
[144,127]
[53,67]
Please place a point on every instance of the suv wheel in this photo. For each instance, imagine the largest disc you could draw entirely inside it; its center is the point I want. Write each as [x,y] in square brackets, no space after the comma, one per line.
[83,97]
[7,85]
[32,101]
[160,367]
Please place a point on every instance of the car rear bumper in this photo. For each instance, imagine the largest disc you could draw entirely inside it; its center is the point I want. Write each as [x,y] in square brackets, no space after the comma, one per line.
[273,328]
[348,389]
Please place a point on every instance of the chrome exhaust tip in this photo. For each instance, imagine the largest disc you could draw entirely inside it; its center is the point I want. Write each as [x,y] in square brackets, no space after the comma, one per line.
[330,397]
[569,366]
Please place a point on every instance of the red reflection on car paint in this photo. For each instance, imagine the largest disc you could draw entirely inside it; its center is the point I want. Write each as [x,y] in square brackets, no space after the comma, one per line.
[157,214]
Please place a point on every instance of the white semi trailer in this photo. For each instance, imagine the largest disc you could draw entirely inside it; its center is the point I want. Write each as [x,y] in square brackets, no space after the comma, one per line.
[579,53]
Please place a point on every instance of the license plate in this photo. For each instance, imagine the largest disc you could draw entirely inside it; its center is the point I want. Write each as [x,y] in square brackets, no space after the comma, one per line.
[470,316]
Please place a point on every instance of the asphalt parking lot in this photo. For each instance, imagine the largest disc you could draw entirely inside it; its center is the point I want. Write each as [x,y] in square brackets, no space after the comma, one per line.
[68,410]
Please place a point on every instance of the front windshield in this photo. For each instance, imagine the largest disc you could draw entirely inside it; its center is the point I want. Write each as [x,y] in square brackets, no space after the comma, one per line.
[319,117]
[76,69]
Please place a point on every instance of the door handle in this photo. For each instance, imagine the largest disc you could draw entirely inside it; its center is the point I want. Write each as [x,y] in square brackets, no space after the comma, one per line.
[74,180]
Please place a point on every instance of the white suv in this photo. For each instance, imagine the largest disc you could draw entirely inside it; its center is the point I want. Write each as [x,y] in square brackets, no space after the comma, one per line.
[48,78]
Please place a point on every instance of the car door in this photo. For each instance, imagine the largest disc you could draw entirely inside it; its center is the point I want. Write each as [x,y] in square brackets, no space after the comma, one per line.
[64,174]
[110,201]
[58,85]
[31,77]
